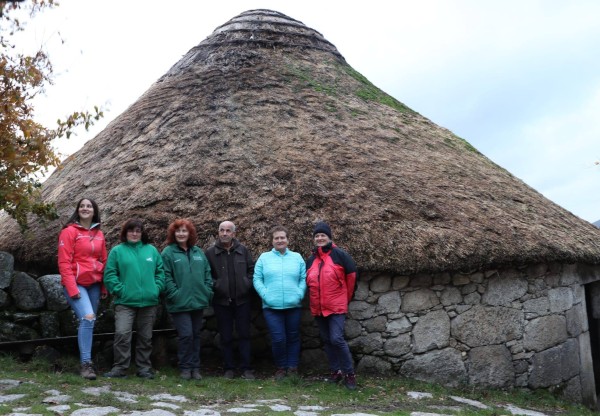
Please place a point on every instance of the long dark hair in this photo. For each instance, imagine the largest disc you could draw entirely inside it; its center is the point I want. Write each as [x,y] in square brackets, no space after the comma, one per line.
[75,217]
[131,224]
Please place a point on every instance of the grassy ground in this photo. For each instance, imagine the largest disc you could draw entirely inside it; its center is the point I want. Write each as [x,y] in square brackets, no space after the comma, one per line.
[375,394]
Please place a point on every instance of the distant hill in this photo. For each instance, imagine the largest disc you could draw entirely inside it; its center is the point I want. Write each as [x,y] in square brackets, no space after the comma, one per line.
[597,223]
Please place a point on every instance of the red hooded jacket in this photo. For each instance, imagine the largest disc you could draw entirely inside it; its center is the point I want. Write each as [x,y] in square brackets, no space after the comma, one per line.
[81,257]
[330,277]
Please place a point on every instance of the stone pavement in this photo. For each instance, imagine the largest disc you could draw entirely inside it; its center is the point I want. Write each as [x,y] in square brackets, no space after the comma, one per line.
[58,403]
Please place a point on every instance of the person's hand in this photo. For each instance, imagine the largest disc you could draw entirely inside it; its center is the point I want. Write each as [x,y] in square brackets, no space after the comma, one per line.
[103,295]
[77,296]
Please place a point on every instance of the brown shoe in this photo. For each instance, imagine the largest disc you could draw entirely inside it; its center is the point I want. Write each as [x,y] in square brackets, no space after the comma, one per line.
[87,371]
[280,374]
[196,374]
[186,374]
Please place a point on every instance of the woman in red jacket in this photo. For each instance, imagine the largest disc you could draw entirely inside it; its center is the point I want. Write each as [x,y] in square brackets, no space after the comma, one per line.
[81,259]
[330,277]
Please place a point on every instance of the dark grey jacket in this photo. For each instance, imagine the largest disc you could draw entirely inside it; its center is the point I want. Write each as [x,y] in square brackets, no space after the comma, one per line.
[243,271]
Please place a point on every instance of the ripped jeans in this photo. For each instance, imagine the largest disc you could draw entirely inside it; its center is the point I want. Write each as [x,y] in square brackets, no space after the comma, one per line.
[87,304]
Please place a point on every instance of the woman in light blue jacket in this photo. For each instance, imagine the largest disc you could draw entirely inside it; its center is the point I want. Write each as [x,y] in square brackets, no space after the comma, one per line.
[280,281]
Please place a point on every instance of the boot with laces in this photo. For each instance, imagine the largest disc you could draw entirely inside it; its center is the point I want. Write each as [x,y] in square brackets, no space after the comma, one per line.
[350,381]
[87,371]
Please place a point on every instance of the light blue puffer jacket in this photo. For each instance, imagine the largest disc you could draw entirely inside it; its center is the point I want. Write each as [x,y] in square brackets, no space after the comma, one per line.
[280,279]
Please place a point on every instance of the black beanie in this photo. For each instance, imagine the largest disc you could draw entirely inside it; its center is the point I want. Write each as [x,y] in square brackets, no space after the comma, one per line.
[322,227]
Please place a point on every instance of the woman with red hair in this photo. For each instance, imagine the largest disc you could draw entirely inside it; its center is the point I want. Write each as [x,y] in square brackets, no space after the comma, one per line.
[188,290]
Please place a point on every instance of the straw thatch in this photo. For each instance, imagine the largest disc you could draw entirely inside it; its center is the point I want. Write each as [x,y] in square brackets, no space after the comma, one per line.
[264,122]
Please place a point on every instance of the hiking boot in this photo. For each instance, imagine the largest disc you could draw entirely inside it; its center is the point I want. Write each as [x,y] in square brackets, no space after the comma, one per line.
[115,373]
[248,375]
[350,381]
[87,371]
[145,373]
[185,374]
[229,374]
[335,377]
[280,374]
[196,374]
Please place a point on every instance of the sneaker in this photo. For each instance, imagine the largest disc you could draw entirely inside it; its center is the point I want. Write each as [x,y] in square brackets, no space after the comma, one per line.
[350,381]
[87,371]
[196,374]
[248,375]
[280,374]
[115,373]
[335,377]
[185,374]
[145,373]
[229,374]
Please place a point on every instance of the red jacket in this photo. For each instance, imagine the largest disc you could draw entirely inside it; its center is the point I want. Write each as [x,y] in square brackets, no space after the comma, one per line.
[81,257]
[330,277]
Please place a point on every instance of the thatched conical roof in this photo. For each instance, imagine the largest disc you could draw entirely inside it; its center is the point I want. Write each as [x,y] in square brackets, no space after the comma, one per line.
[264,122]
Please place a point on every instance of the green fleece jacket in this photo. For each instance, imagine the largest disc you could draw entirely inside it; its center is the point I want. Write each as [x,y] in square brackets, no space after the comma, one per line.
[188,282]
[134,275]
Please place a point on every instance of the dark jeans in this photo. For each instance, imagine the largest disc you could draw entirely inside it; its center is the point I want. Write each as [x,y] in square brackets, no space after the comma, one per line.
[227,318]
[331,329]
[124,319]
[284,327]
[189,327]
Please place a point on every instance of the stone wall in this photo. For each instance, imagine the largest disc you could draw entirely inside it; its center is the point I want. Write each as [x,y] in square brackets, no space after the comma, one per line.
[500,328]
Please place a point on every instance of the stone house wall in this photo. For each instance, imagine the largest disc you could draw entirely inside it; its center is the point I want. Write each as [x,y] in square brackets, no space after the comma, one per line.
[501,328]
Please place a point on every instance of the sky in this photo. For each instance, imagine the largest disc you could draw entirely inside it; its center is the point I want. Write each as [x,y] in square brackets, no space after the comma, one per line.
[518,79]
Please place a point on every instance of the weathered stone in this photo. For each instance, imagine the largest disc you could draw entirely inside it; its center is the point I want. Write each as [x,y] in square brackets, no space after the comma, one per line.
[460,279]
[484,325]
[545,332]
[53,291]
[537,270]
[554,365]
[432,331]
[504,289]
[576,320]
[491,366]
[397,346]
[578,294]
[421,280]
[50,324]
[7,263]
[398,326]
[26,292]
[569,275]
[314,358]
[442,279]
[400,282]
[4,299]
[470,288]
[520,366]
[477,277]
[473,298]
[586,374]
[572,390]
[366,344]
[537,307]
[10,331]
[352,328]
[560,299]
[380,284]
[361,310]
[377,324]
[388,303]
[444,367]
[362,290]
[374,365]
[450,296]
[419,300]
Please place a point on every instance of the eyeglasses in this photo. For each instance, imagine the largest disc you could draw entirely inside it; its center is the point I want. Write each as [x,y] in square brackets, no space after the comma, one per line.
[134,231]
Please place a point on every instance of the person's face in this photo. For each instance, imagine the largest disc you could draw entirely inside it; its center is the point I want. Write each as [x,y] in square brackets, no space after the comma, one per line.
[321,239]
[181,235]
[85,210]
[134,235]
[280,241]
[226,233]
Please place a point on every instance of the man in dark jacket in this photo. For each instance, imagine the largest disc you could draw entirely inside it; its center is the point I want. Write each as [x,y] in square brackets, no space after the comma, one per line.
[232,270]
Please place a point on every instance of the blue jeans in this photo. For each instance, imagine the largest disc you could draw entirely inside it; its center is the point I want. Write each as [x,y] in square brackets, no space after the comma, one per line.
[227,317]
[331,329]
[188,326]
[86,305]
[284,327]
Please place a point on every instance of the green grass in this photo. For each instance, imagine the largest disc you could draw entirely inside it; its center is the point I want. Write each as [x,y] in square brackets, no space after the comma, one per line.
[375,395]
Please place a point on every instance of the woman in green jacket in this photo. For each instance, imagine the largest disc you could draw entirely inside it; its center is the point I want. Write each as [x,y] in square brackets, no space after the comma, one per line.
[188,292]
[134,276]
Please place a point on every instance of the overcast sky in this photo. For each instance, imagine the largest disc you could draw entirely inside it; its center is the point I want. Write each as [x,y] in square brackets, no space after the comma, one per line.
[518,79]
